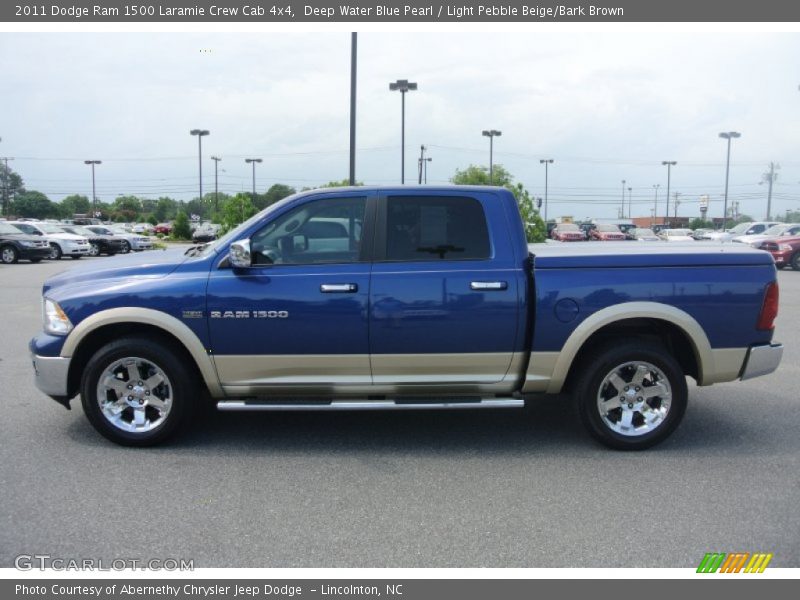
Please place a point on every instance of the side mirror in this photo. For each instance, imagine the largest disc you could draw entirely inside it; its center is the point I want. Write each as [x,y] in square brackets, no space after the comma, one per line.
[239,254]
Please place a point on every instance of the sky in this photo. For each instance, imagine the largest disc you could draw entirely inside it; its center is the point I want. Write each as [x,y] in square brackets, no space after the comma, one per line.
[605,106]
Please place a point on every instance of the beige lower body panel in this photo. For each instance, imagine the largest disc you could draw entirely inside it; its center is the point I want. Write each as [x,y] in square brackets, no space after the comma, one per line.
[362,375]
[727,365]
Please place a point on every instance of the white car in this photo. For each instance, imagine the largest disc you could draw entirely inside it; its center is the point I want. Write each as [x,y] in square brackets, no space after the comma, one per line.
[61,242]
[643,234]
[133,241]
[751,228]
[782,229]
[142,228]
[676,235]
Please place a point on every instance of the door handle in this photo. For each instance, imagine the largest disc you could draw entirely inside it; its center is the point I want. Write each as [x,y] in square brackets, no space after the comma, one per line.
[338,288]
[488,286]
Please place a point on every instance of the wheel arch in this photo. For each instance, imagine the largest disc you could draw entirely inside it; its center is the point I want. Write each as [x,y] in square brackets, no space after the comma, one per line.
[680,332]
[97,330]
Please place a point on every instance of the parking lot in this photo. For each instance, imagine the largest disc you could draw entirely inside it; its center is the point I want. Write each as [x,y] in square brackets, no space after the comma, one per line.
[453,489]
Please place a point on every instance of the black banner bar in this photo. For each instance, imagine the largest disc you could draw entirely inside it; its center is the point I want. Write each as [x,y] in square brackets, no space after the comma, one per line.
[399,11]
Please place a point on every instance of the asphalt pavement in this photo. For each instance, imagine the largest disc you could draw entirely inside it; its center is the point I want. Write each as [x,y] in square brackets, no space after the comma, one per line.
[505,488]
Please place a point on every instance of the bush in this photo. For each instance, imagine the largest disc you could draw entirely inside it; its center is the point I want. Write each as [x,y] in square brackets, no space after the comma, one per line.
[180,228]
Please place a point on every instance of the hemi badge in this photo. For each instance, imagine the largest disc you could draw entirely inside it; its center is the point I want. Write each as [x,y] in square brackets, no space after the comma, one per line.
[193,314]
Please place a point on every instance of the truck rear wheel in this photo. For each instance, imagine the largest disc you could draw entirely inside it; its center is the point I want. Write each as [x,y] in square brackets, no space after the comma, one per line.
[631,395]
[136,391]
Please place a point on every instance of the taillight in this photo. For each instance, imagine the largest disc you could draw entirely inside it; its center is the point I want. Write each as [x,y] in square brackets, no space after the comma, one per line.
[769,309]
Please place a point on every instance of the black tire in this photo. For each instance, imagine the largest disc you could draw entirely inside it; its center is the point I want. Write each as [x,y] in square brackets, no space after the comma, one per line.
[55,251]
[180,385]
[593,388]
[9,255]
[780,267]
[795,260]
[126,246]
[94,250]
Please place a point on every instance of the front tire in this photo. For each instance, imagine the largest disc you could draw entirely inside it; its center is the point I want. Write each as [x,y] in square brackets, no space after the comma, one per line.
[631,395]
[9,255]
[94,250]
[137,392]
[55,252]
[796,261]
[126,246]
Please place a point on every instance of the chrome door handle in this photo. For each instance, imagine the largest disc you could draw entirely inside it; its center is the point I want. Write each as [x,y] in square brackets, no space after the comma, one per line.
[338,288]
[487,286]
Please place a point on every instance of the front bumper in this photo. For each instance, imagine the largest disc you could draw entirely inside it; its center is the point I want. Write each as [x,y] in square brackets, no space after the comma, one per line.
[51,376]
[762,360]
[76,249]
[35,253]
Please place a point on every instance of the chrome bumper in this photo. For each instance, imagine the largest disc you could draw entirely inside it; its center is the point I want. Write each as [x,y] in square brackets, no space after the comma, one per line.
[51,374]
[762,360]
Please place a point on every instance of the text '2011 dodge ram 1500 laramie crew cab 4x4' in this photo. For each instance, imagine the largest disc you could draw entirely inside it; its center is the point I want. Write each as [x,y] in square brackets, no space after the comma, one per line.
[404,298]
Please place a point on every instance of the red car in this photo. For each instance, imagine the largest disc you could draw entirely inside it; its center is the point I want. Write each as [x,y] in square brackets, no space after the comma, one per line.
[165,228]
[567,232]
[785,251]
[608,233]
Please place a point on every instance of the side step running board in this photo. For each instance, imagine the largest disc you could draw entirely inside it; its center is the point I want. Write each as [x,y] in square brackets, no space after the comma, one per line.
[245,405]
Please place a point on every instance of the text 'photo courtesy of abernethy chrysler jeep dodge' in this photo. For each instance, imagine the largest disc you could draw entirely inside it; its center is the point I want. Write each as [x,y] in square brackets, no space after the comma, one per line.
[404,299]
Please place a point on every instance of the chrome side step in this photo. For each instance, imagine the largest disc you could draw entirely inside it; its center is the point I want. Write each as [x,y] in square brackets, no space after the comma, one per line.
[244,405]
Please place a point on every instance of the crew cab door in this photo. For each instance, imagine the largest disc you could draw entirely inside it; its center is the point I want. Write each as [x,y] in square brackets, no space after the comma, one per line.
[297,319]
[444,300]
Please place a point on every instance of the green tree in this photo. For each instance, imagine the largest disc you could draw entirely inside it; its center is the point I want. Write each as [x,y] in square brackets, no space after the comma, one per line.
[236,210]
[535,229]
[699,223]
[129,207]
[11,184]
[180,228]
[75,204]
[35,205]
[340,183]
[278,191]
[165,209]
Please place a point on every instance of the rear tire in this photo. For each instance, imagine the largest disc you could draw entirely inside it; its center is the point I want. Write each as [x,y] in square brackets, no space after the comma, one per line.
[796,261]
[137,391]
[126,246]
[9,255]
[631,395]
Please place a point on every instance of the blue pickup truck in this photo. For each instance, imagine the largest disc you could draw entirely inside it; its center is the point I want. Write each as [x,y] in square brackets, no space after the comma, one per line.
[402,298]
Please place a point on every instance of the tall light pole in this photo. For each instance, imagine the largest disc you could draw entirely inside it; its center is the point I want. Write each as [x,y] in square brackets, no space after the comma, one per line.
[670,164]
[216,160]
[769,179]
[622,210]
[421,159]
[727,135]
[353,66]
[491,134]
[545,162]
[253,161]
[677,203]
[200,133]
[630,202]
[6,174]
[655,205]
[425,168]
[94,193]
[403,86]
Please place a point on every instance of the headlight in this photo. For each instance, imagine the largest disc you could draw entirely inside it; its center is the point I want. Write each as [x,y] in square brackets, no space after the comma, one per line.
[55,321]
[784,247]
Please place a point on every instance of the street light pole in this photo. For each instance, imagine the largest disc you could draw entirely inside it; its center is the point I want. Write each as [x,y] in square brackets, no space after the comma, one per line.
[655,205]
[200,133]
[402,86]
[622,209]
[545,162]
[353,67]
[253,161]
[94,193]
[670,164]
[6,174]
[491,134]
[425,168]
[216,160]
[729,135]
[630,202]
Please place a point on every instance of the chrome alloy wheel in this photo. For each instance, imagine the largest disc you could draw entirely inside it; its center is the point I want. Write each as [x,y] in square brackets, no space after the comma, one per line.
[134,394]
[634,398]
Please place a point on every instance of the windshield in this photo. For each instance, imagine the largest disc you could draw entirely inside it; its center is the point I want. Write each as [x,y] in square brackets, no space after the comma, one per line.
[76,229]
[101,230]
[677,232]
[49,228]
[776,230]
[5,228]
[568,227]
[608,228]
[741,228]
[237,232]
[645,232]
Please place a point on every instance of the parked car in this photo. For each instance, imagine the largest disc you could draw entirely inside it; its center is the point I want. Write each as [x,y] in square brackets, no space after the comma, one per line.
[567,232]
[698,234]
[443,306]
[779,230]
[785,251]
[101,243]
[163,228]
[607,233]
[676,235]
[143,228]
[15,245]
[61,243]
[587,229]
[642,234]
[749,228]
[131,241]
[206,232]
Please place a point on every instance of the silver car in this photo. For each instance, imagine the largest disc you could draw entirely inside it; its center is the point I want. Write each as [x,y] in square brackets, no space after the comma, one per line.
[133,241]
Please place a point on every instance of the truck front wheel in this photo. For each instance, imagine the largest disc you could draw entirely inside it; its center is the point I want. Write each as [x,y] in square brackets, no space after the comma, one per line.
[631,395]
[136,392]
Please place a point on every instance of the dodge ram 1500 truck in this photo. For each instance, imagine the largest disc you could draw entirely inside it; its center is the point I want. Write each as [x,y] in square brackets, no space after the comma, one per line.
[404,298]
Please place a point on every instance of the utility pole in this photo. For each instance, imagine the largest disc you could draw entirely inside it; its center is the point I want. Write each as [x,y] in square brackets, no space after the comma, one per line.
[622,210]
[216,160]
[545,162]
[677,203]
[769,178]
[6,174]
[94,192]
[669,164]
[655,204]
[353,65]
[630,202]
[421,160]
